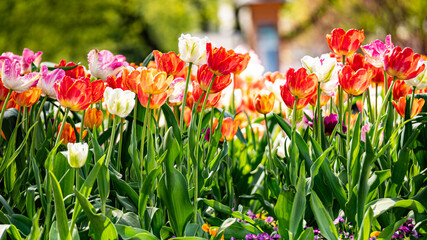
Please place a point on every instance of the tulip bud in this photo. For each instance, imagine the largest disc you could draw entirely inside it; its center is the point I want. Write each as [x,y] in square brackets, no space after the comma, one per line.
[119,102]
[264,102]
[93,118]
[77,154]
[229,128]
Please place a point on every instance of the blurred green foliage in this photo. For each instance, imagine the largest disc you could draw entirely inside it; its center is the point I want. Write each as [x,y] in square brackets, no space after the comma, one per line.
[70,29]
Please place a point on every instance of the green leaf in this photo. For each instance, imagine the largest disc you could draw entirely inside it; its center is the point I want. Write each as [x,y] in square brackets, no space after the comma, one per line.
[54,234]
[35,229]
[100,226]
[298,206]
[388,232]
[365,229]
[146,190]
[147,59]
[307,234]
[11,230]
[323,219]
[283,210]
[61,214]
[127,232]
[382,205]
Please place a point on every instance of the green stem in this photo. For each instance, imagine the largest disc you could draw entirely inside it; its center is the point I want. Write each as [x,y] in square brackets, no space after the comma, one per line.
[349,102]
[4,108]
[318,116]
[376,101]
[58,137]
[270,161]
[199,128]
[107,159]
[412,101]
[184,100]
[82,127]
[141,157]
[119,157]
[294,115]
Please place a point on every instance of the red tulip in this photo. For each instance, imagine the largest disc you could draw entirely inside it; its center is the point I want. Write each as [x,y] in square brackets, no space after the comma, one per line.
[204,78]
[355,82]
[401,105]
[300,84]
[289,99]
[76,72]
[402,64]
[223,62]
[401,89]
[197,92]
[168,62]
[345,43]
[3,91]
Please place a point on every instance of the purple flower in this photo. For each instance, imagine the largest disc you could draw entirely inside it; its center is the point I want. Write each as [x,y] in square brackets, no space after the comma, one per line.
[339,218]
[250,236]
[208,135]
[330,122]
[103,63]
[275,236]
[269,219]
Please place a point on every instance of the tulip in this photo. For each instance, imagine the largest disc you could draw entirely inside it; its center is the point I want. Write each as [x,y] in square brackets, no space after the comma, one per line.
[116,82]
[192,49]
[93,118]
[47,81]
[76,72]
[119,102]
[330,123]
[78,94]
[324,99]
[400,106]
[375,51]
[264,101]
[131,79]
[355,82]
[10,74]
[345,43]
[275,87]
[68,135]
[3,91]
[156,101]
[222,62]
[324,67]
[254,69]
[420,81]
[289,99]
[400,89]
[77,154]
[300,84]
[357,61]
[29,57]
[187,116]
[378,75]
[168,62]
[194,96]
[402,64]
[27,98]
[153,81]
[103,63]
[205,76]
[178,84]
[229,128]
[273,76]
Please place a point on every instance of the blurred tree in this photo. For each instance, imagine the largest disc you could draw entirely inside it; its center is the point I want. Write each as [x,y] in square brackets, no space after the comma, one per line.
[70,29]
[405,20]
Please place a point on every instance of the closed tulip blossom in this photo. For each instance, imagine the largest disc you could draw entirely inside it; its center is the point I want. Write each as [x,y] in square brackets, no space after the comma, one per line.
[300,84]
[78,94]
[264,101]
[119,102]
[131,79]
[375,51]
[355,82]
[223,62]
[68,134]
[402,64]
[420,81]
[345,43]
[28,58]
[27,98]
[400,89]
[12,79]
[229,128]
[289,99]
[192,49]
[103,63]
[48,79]
[153,81]
[168,62]
[204,78]
[194,97]
[77,154]
[93,118]
[417,106]
[178,85]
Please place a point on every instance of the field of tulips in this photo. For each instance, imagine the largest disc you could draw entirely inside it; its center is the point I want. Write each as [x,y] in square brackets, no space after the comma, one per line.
[206,145]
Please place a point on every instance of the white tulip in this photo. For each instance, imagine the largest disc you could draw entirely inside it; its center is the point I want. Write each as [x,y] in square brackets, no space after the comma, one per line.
[324,67]
[119,102]
[77,154]
[420,81]
[192,49]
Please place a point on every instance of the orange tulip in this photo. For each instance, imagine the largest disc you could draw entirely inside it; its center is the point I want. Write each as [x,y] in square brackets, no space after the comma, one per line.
[116,82]
[355,82]
[3,91]
[345,43]
[156,101]
[289,99]
[78,94]
[400,89]
[93,118]
[168,62]
[68,135]
[27,98]
[401,105]
[243,64]
[130,80]
[193,97]
[223,62]
[153,81]
[324,99]
[229,128]
[204,78]
[300,84]
[402,64]
[264,101]
[187,116]
[273,76]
